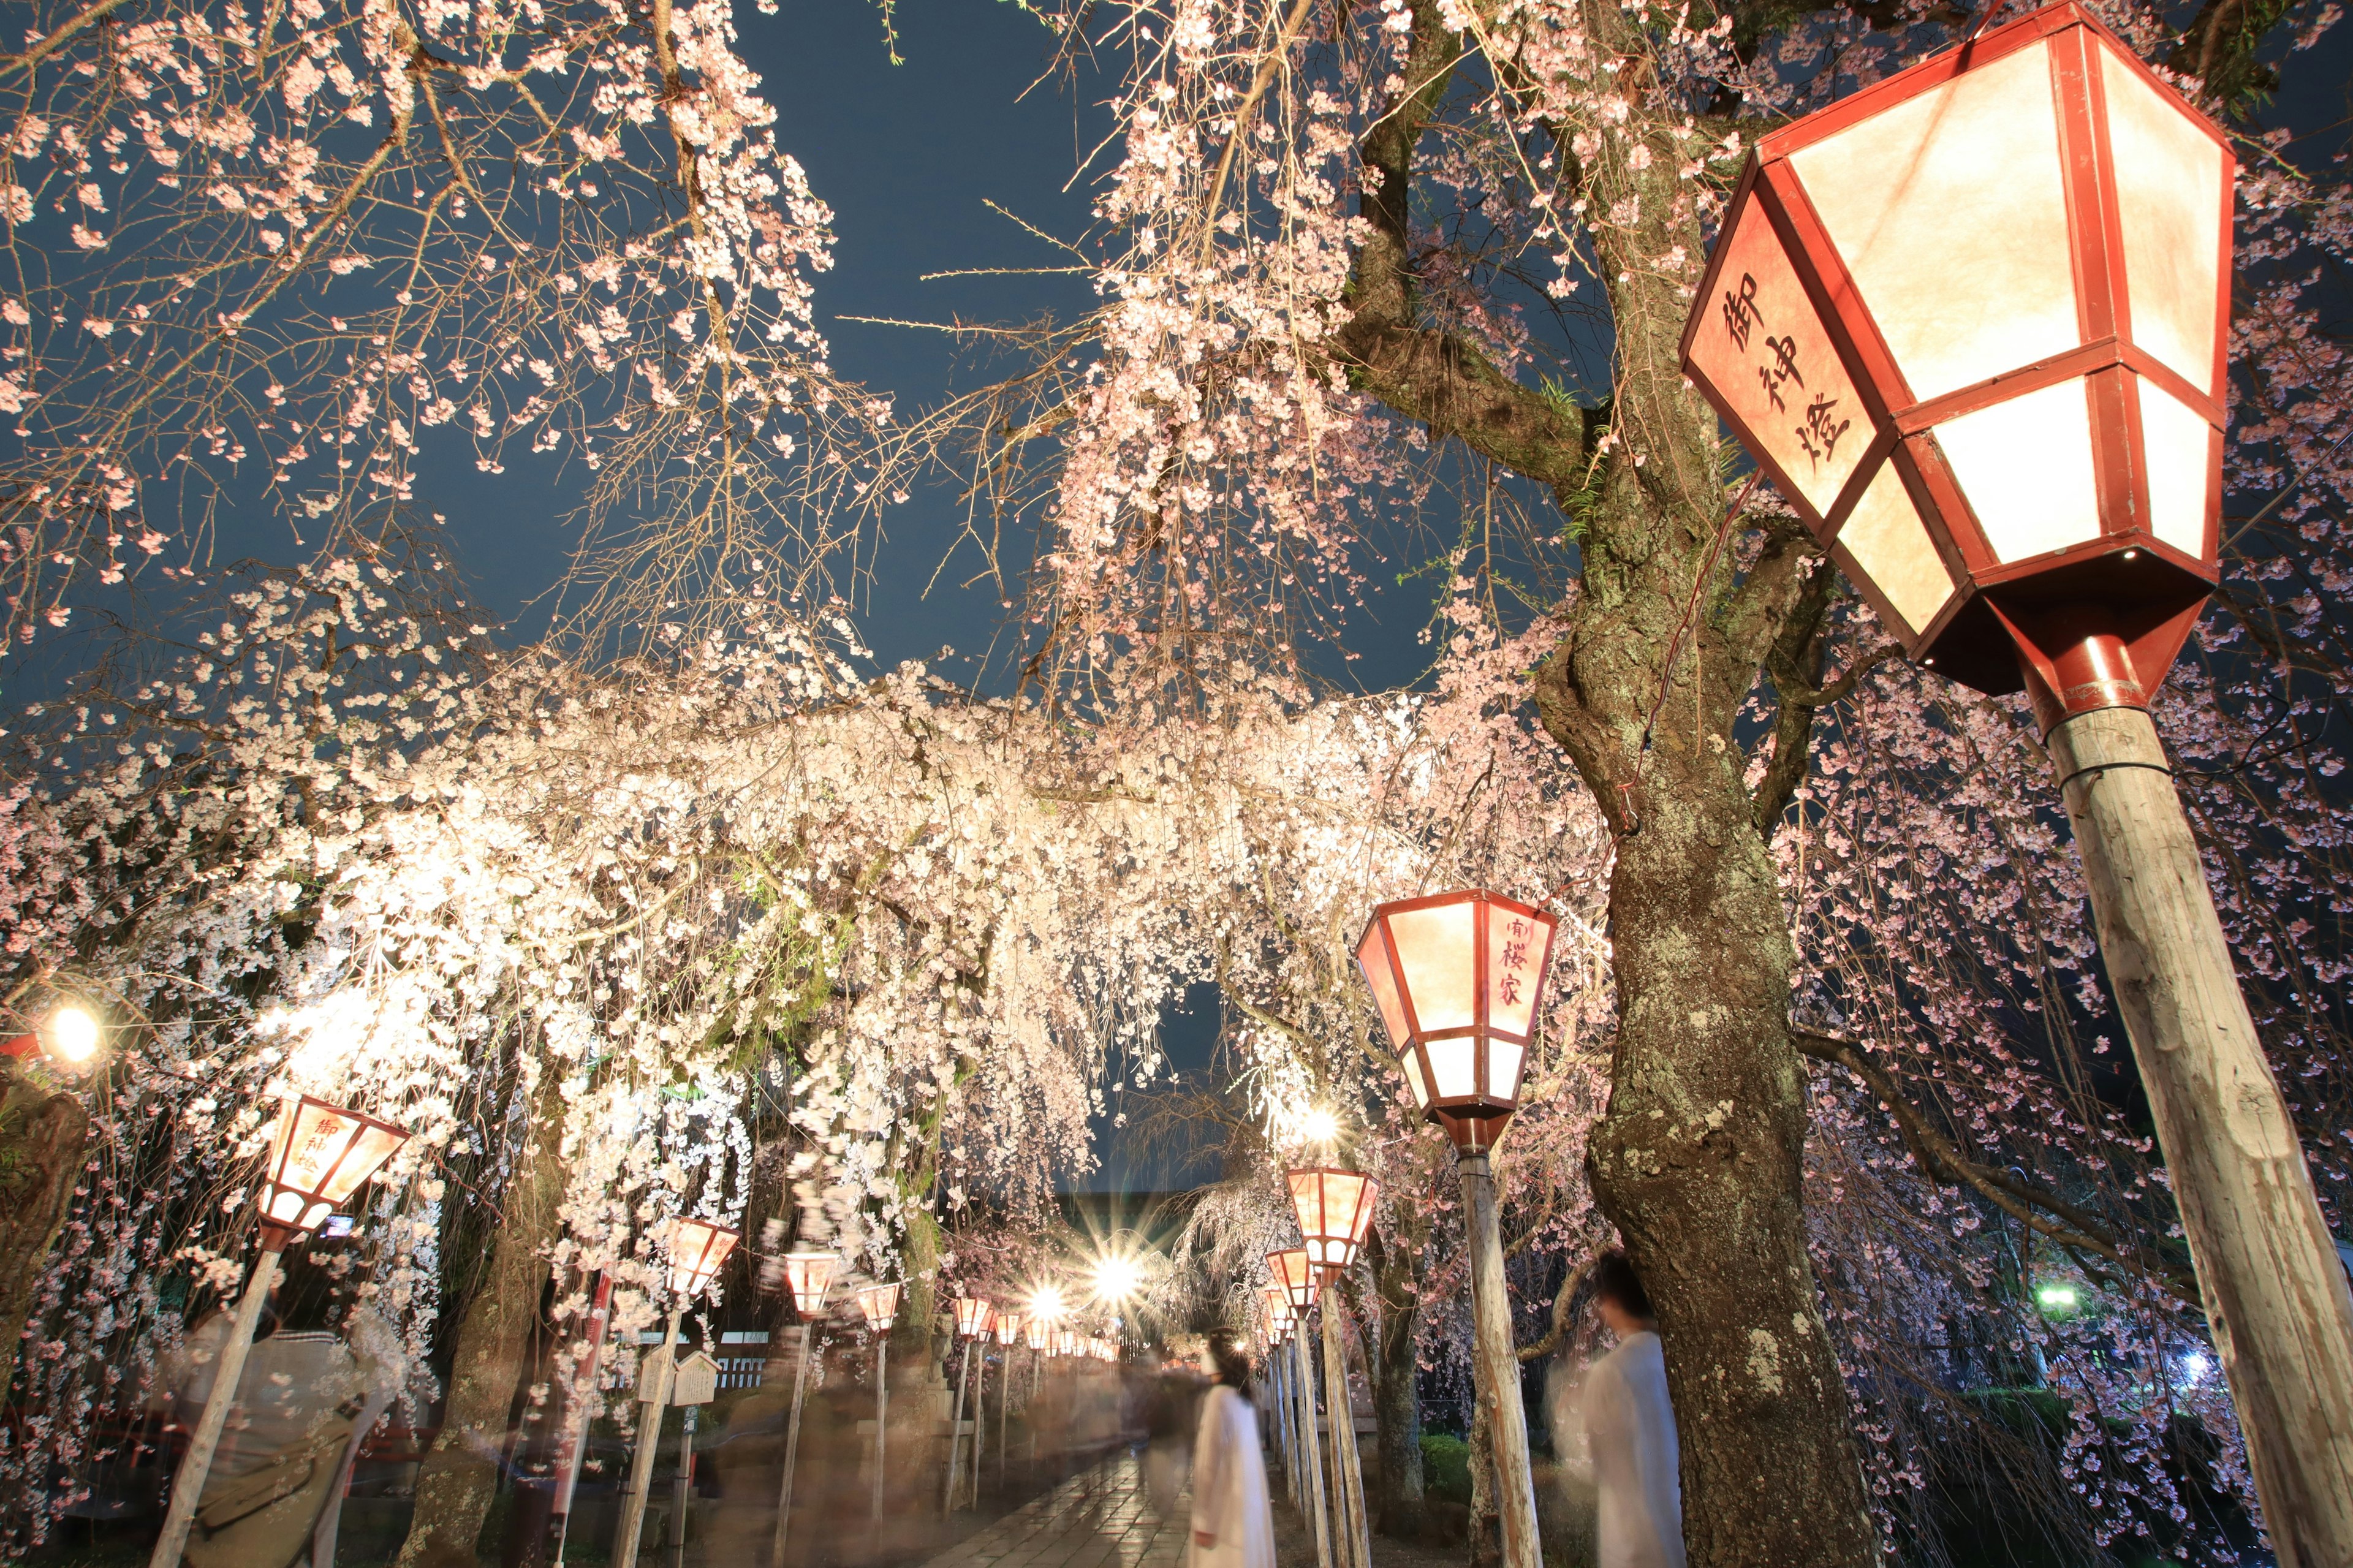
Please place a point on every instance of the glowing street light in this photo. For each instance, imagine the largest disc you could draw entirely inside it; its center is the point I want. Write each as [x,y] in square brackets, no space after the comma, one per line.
[321,1154]
[70,1036]
[806,1274]
[697,1250]
[1973,320]
[1318,1125]
[1335,1210]
[1046,1304]
[1117,1278]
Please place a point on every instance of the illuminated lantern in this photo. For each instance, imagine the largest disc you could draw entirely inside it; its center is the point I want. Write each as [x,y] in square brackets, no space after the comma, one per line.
[321,1156]
[1008,1326]
[1335,1209]
[697,1250]
[1297,1278]
[1970,320]
[1274,1309]
[971,1317]
[1458,978]
[806,1274]
[1036,1332]
[880,1303]
[1066,1342]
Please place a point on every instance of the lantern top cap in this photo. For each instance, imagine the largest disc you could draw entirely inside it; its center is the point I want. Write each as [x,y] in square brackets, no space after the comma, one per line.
[2019,32]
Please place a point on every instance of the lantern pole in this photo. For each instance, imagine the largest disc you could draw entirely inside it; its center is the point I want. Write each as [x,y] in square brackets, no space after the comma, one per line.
[1311,1447]
[1493,1359]
[189,1481]
[2274,1288]
[1347,1478]
[656,1399]
[956,1432]
[881,1415]
[1004,1410]
[792,1444]
[980,1418]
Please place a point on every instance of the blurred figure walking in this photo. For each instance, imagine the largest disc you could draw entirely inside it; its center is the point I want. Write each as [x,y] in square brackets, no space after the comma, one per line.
[1630,1455]
[1232,1527]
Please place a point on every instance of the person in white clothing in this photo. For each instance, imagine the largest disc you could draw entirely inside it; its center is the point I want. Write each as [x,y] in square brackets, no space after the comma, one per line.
[1631,1457]
[1233,1526]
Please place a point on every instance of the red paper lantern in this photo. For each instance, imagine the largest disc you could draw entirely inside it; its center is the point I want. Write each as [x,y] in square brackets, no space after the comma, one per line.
[971,1317]
[1970,320]
[1459,979]
[319,1157]
[697,1250]
[1335,1209]
[1297,1278]
[806,1274]
[880,1303]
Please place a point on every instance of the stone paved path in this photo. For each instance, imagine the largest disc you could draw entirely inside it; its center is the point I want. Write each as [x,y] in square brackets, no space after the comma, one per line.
[1098,1519]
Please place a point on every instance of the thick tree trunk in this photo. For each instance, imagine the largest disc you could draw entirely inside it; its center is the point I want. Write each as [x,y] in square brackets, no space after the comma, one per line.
[41,1139]
[459,1477]
[1396,1370]
[1698,1161]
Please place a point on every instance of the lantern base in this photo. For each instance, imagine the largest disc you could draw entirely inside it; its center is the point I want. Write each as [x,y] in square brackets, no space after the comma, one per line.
[2075,658]
[1472,1134]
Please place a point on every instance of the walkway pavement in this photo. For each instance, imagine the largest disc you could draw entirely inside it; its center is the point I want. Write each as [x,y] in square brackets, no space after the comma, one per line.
[1097,1519]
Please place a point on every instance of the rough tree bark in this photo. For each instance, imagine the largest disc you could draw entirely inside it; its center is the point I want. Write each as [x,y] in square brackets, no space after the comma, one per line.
[41,1140]
[1396,1370]
[1698,1160]
[459,1476]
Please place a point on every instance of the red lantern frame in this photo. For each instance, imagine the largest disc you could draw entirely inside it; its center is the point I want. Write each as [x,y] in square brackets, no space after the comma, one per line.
[1335,1209]
[2030,621]
[1465,1117]
[1297,1278]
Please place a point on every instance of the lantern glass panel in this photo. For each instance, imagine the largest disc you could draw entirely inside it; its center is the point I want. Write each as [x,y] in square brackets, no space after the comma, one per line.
[1037,1333]
[1453,1063]
[806,1274]
[1411,1065]
[1893,551]
[1517,946]
[1765,347]
[881,1305]
[1961,181]
[1435,951]
[1008,1327]
[2169,201]
[1373,958]
[2177,438]
[2026,468]
[697,1250]
[1503,1070]
[369,1149]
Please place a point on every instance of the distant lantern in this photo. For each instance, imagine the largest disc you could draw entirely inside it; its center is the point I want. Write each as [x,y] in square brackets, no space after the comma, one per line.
[1008,1326]
[1459,978]
[1335,1210]
[880,1303]
[1970,320]
[321,1156]
[1037,1331]
[1066,1342]
[806,1274]
[697,1250]
[1297,1277]
[1275,1307]
[971,1317]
